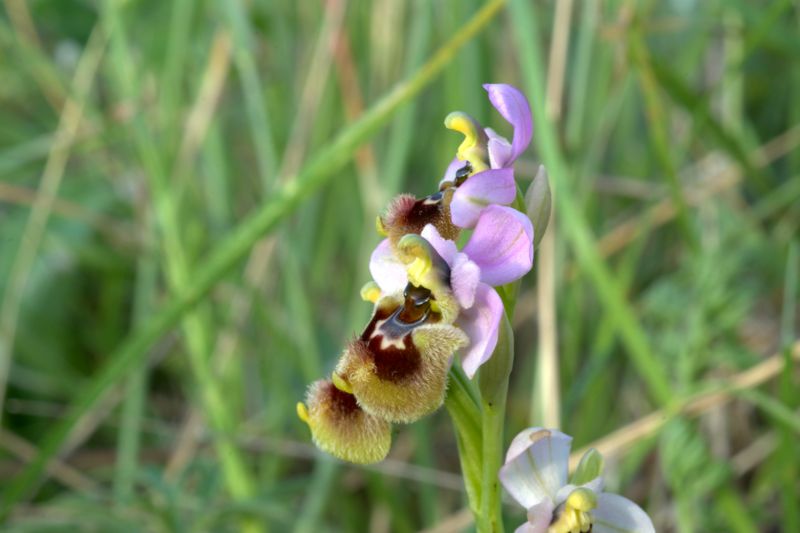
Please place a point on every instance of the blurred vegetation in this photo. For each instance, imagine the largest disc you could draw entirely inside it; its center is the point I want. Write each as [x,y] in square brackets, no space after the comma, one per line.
[139,138]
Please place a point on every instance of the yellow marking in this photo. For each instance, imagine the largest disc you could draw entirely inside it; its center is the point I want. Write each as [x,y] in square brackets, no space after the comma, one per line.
[575,518]
[541,434]
[582,499]
[370,292]
[415,252]
[464,124]
[380,227]
[302,413]
[473,147]
[417,270]
[340,383]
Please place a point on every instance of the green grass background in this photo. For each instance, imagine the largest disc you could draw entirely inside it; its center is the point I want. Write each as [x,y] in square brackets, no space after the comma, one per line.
[187,197]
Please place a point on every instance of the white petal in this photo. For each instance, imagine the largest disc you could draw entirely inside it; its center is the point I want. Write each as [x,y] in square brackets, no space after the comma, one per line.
[538,473]
[540,516]
[617,514]
[525,438]
[595,485]
[387,270]
[528,527]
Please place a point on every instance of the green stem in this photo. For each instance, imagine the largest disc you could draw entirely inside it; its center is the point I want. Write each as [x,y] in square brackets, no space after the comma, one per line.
[494,389]
[227,254]
[490,518]
[463,405]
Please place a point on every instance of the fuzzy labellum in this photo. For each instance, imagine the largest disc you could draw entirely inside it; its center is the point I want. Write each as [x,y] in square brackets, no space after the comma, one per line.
[341,428]
[408,215]
[397,368]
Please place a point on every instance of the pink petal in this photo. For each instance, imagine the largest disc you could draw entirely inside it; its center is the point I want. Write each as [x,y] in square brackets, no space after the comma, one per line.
[494,186]
[446,248]
[386,269]
[499,149]
[514,107]
[501,245]
[464,279]
[464,274]
[480,322]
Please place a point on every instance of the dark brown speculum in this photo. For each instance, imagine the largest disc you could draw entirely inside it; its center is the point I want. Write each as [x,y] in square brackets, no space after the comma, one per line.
[417,305]
[387,339]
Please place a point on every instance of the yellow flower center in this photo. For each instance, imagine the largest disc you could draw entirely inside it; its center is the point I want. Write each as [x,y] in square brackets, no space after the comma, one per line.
[576,517]
[415,252]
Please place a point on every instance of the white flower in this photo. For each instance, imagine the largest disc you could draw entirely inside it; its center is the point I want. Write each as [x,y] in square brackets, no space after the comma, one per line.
[535,474]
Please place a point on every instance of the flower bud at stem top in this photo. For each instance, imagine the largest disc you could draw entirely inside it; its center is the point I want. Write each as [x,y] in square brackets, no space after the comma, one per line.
[538,200]
[589,468]
[494,374]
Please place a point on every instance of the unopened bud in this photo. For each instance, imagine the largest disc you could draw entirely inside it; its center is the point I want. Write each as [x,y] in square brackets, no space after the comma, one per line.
[589,468]
[537,203]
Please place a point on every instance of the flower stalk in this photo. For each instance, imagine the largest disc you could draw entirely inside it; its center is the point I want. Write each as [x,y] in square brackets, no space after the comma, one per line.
[463,406]
[494,389]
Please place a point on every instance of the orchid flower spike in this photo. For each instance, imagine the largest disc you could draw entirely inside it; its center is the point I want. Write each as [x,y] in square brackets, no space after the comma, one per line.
[535,475]
[397,368]
[482,172]
[499,251]
[341,428]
